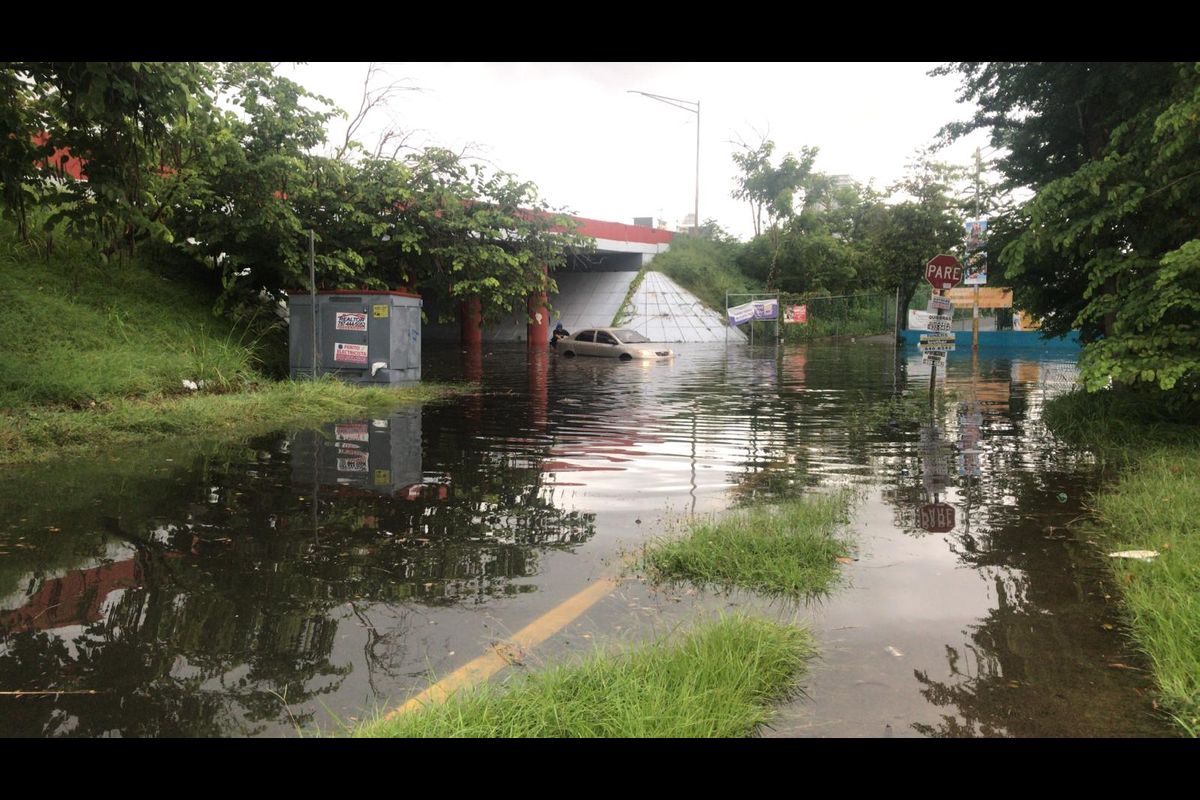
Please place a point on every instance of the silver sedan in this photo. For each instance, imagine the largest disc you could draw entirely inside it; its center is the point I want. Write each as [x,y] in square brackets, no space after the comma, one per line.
[619,343]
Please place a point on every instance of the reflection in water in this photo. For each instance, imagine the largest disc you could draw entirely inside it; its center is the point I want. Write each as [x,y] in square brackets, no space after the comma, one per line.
[193,588]
[199,603]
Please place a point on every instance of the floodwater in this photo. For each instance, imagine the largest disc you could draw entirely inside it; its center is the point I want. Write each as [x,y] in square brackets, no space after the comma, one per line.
[304,579]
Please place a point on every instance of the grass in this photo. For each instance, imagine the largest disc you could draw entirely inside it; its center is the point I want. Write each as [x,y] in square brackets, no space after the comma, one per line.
[625,312]
[856,315]
[706,268]
[95,356]
[717,681]
[1117,425]
[1152,506]
[76,331]
[40,434]
[785,550]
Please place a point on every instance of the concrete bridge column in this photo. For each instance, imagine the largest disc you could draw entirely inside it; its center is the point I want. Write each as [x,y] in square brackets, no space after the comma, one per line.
[470,320]
[537,331]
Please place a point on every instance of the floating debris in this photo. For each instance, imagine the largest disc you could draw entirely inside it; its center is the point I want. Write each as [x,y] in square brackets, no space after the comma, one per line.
[1140,555]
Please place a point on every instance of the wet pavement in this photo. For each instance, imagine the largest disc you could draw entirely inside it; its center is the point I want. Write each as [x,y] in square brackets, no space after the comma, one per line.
[306,578]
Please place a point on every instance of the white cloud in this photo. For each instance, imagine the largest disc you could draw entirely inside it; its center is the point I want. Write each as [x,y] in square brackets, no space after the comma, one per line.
[575,131]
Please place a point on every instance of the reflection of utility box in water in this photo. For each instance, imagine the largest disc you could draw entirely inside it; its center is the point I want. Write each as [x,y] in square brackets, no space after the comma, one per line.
[362,337]
[374,455]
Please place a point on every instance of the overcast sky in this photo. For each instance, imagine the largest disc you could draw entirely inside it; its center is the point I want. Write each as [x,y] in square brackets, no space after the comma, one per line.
[575,131]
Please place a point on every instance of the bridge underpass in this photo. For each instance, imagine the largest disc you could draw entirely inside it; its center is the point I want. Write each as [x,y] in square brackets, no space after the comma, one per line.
[593,286]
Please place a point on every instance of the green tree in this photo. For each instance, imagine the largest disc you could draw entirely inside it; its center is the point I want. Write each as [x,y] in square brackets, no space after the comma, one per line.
[127,121]
[771,190]
[1109,241]
[482,234]
[923,220]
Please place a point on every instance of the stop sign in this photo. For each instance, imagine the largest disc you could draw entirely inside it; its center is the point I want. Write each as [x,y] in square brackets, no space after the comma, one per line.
[943,272]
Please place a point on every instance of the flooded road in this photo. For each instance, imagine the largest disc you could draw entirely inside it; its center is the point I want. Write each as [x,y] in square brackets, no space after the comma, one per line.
[259,587]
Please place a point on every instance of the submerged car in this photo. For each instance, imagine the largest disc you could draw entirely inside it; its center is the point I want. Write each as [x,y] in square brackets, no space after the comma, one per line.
[621,343]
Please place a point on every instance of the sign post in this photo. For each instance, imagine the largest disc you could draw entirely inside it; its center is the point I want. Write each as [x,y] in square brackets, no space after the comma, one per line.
[943,272]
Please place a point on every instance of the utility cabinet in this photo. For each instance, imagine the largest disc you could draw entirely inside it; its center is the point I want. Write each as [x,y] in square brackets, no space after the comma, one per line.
[369,337]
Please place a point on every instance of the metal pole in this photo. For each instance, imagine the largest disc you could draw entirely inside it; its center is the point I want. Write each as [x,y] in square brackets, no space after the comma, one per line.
[686,105]
[312,294]
[933,370]
[696,211]
[975,304]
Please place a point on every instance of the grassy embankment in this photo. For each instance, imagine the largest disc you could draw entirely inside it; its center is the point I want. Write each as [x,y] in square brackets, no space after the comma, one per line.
[717,681]
[703,267]
[1151,506]
[96,356]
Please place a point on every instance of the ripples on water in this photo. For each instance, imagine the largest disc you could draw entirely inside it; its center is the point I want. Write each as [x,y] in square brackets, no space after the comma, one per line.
[192,585]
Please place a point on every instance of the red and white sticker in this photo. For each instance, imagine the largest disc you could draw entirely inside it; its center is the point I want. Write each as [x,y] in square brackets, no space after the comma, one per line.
[350,353]
[351,321]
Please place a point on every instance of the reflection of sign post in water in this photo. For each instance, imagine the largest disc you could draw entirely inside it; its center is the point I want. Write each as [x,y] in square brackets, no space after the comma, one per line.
[936,517]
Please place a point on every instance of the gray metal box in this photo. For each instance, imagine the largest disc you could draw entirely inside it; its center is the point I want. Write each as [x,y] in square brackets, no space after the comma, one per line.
[362,337]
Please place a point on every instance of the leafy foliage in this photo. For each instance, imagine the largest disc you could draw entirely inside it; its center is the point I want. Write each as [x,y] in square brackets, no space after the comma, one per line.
[1109,243]
[221,161]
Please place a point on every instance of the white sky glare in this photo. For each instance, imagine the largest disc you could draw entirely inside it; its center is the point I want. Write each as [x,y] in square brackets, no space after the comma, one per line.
[591,146]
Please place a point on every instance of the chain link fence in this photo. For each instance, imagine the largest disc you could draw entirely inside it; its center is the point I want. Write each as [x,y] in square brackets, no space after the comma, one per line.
[841,315]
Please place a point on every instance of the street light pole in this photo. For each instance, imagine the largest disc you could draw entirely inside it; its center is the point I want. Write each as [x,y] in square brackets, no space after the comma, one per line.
[694,107]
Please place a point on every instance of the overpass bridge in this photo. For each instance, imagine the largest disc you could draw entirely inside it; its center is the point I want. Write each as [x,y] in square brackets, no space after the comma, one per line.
[593,286]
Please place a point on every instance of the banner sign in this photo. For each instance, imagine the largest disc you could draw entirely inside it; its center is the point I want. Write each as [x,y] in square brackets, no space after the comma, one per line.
[797,314]
[766,309]
[754,310]
[740,314]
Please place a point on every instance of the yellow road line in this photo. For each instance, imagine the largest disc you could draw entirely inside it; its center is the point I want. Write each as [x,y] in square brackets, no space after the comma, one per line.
[533,634]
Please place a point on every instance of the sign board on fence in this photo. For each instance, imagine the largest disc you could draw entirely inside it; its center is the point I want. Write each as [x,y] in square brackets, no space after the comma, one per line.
[754,310]
[797,314]
[766,309]
[740,314]
[918,320]
[936,517]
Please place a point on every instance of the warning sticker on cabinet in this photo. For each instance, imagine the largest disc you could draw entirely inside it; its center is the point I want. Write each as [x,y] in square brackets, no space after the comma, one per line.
[351,321]
[349,353]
